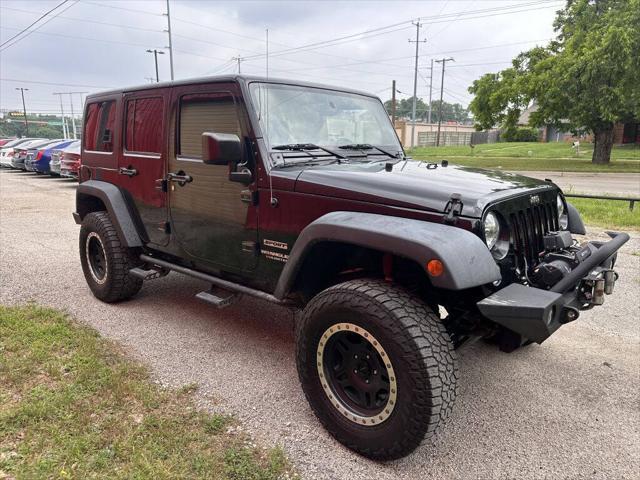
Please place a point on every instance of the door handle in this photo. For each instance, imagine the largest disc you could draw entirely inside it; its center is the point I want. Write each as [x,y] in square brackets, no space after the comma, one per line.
[180,178]
[131,172]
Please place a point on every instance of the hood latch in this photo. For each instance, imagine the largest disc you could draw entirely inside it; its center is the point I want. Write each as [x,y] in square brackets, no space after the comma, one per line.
[453,208]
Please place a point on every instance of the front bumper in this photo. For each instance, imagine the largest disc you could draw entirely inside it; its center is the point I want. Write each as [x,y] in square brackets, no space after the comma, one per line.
[535,313]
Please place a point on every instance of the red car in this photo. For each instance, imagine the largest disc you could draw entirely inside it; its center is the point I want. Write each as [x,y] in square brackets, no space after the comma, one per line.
[70,161]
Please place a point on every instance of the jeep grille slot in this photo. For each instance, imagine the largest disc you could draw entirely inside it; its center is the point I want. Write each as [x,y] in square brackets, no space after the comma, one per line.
[528,227]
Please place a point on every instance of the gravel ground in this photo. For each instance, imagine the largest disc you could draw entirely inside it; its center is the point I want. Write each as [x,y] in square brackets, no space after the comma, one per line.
[566,409]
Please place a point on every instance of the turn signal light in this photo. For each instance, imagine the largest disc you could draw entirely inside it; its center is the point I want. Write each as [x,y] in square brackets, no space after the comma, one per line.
[435,268]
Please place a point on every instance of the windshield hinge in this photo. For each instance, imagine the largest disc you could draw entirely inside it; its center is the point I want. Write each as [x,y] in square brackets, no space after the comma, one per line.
[453,208]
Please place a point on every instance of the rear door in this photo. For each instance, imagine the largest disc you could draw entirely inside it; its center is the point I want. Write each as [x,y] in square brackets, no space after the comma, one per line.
[210,215]
[142,163]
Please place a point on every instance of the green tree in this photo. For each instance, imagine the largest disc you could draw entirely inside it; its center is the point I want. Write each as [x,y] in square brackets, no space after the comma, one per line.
[451,112]
[587,78]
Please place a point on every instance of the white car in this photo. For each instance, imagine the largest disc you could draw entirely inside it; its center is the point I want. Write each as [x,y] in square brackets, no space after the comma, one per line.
[6,152]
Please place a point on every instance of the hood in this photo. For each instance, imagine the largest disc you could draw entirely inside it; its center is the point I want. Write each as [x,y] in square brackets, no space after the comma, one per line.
[415,184]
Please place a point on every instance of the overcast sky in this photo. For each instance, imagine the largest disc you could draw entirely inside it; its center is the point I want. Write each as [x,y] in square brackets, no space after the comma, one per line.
[96,44]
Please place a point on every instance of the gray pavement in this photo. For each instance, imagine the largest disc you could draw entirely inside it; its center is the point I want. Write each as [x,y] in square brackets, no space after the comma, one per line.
[618,184]
[566,409]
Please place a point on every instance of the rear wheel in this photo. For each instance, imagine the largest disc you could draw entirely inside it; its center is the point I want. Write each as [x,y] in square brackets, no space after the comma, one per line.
[105,261]
[377,367]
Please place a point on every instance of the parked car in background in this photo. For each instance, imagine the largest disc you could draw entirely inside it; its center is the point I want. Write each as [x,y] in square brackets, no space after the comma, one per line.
[38,159]
[70,161]
[4,141]
[8,149]
[20,153]
[56,157]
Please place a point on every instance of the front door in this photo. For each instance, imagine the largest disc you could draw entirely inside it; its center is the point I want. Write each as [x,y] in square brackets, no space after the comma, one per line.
[141,166]
[210,216]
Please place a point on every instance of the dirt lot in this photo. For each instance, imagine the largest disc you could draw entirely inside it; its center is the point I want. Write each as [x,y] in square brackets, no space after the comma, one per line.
[566,409]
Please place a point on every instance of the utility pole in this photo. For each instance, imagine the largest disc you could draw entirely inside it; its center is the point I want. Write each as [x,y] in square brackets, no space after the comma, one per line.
[444,62]
[430,88]
[73,118]
[155,56]
[170,47]
[393,103]
[238,59]
[417,41]
[65,132]
[24,109]
[267,57]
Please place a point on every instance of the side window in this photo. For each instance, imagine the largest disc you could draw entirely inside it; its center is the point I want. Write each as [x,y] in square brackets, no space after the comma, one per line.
[144,125]
[91,126]
[98,130]
[214,112]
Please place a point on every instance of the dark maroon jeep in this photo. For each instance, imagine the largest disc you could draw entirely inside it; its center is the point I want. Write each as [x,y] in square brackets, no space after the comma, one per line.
[301,195]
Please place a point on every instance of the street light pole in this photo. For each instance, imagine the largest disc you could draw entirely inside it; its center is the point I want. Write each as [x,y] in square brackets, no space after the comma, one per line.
[444,62]
[155,56]
[65,133]
[24,109]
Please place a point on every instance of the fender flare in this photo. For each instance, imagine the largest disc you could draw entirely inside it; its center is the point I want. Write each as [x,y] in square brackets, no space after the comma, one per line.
[575,220]
[116,206]
[467,260]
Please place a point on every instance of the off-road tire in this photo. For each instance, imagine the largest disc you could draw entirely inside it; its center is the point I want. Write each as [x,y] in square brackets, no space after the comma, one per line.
[417,344]
[117,284]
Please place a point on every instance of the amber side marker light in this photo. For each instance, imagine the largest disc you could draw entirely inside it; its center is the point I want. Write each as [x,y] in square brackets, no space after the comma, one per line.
[435,268]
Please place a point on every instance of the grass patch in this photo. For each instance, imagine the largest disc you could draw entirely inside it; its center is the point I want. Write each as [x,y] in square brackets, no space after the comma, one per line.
[533,156]
[73,406]
[607,213]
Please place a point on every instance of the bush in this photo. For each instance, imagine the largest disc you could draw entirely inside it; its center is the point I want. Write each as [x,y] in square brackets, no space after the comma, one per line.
[519,135]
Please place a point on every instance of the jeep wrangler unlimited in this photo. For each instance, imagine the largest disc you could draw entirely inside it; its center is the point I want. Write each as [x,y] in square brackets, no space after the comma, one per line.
[302,195]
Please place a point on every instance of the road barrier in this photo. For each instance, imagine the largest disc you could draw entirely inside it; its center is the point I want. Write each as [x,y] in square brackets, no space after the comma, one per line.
[631,200]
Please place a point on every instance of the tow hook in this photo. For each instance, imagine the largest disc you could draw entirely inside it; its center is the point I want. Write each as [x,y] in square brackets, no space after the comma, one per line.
[570,314]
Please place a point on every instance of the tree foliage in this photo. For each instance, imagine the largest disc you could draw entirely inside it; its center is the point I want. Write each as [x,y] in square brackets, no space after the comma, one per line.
[587,79]
[16,127]
[451,112]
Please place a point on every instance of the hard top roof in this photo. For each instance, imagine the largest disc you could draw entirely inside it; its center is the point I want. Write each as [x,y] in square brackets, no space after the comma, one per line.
[245,79]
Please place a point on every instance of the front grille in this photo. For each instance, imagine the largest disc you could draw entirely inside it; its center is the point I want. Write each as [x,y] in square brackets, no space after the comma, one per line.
[528,226]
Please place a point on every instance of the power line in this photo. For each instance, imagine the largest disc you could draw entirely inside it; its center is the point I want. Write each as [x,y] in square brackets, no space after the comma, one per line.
[15,38]
[16,80]
[428,20]
[85,20]
[75,37]
[122,8]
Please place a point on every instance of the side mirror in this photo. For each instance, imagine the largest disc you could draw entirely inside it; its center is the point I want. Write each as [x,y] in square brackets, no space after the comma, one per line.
[220,148]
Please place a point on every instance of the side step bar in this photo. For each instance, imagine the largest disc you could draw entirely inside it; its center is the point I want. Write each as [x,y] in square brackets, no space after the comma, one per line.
[218,282]
[151,274]
[216,300]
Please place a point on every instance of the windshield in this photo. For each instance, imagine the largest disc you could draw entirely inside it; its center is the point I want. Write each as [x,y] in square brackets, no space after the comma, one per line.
[291,115]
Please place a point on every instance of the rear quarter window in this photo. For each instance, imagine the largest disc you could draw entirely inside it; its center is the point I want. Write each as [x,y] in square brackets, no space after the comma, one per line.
[98,127]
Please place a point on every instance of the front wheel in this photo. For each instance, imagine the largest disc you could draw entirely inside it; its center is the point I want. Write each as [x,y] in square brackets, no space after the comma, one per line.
[377,367]
[105,261]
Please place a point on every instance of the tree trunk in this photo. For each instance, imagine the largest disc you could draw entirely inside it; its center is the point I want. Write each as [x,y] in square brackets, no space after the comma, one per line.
[603,143]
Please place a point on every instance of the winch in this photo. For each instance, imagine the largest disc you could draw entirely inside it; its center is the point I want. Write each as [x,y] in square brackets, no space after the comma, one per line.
[561,257]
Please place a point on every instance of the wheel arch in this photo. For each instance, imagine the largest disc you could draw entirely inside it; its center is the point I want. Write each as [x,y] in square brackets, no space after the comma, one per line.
[95,195]
[467,261]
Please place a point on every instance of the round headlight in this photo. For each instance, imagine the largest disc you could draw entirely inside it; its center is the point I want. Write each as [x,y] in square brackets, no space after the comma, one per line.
[563,217]
[491,229]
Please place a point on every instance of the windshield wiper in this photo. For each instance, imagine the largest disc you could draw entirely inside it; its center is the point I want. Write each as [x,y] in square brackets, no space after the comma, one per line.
[367,146]
[308,146]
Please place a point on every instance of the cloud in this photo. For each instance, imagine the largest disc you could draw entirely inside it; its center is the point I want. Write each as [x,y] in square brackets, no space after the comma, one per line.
[71,50]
